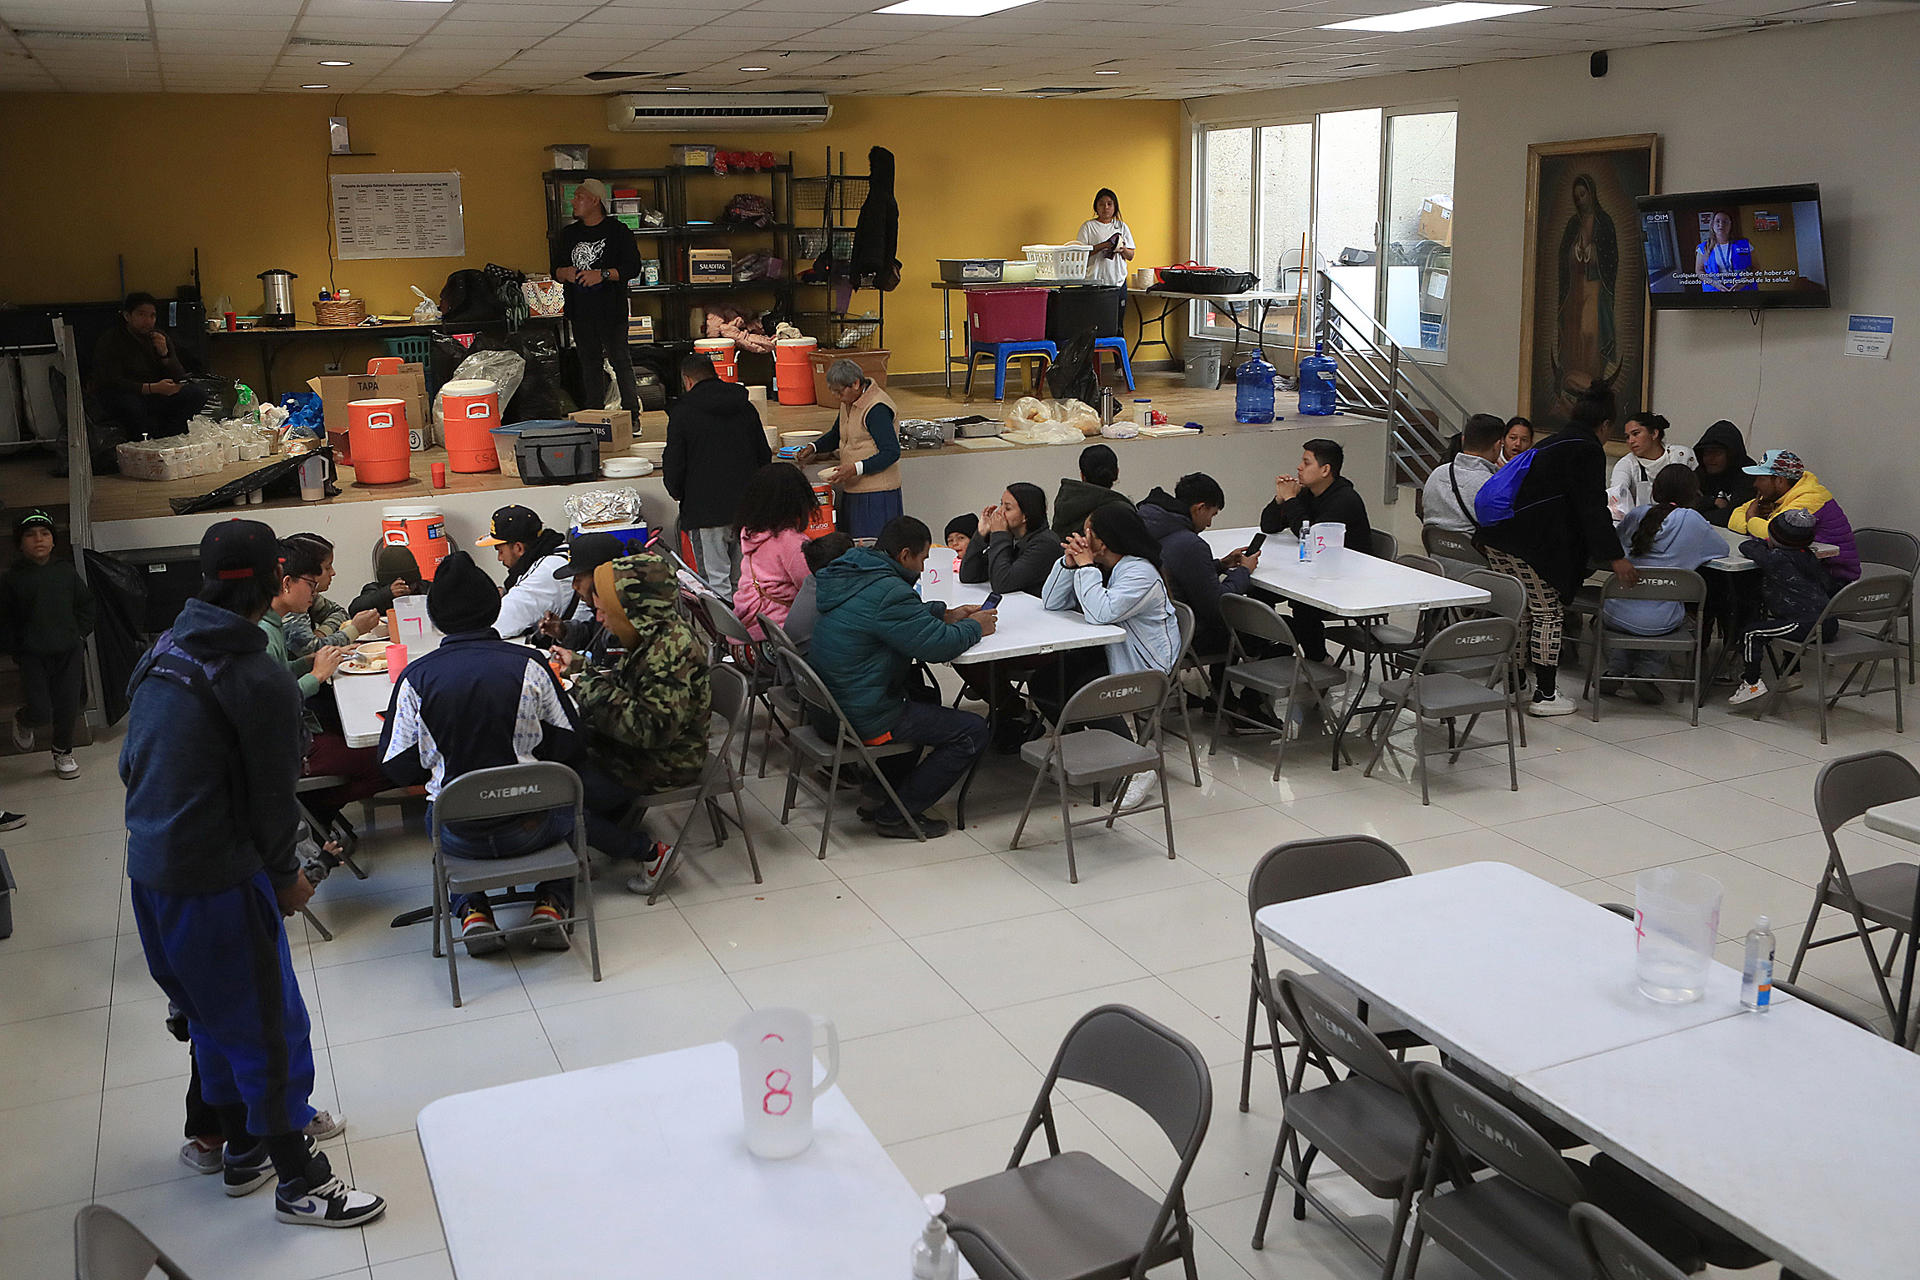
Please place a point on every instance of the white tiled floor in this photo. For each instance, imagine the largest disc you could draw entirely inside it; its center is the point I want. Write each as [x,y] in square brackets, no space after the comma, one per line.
[952,969]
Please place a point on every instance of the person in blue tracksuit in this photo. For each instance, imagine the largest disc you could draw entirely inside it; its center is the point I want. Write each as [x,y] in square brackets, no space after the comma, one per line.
[213,748]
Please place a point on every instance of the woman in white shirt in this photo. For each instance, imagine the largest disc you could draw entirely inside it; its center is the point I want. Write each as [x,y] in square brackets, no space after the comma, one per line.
[1648,454]
[1112,242]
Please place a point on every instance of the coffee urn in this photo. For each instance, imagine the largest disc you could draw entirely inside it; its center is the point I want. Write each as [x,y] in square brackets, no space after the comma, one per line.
[276,298]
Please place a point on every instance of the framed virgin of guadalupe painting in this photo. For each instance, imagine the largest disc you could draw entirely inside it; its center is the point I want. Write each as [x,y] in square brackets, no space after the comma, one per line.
[1584,318]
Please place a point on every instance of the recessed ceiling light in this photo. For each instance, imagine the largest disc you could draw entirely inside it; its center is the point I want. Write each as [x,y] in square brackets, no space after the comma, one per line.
[951,8]
[993,91]
[1439,15]
[1106,73]
[334,62]
[313,86]
[753,68]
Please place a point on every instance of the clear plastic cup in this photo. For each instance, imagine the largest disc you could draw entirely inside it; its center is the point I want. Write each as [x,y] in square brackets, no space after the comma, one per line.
[1676,919]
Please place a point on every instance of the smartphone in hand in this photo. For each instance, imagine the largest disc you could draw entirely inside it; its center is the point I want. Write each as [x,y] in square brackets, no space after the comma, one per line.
[991,602]
[1253,548]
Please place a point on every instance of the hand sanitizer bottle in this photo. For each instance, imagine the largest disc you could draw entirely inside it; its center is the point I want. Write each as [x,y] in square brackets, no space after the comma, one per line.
[1756,974]
[935,1257]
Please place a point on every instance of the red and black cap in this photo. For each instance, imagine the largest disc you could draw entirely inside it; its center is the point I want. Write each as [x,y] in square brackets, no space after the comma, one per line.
[237,550]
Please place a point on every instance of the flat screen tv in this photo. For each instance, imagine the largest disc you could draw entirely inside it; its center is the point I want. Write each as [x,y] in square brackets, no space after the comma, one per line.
[1736,250]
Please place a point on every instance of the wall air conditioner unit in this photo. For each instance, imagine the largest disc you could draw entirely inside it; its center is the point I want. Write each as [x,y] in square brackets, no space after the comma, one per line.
[716,112]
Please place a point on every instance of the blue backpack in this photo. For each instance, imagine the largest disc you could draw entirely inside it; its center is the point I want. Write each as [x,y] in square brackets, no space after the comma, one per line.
[1499,498]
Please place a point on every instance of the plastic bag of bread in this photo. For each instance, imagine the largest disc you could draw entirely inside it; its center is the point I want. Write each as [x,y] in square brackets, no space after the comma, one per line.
[1078,415]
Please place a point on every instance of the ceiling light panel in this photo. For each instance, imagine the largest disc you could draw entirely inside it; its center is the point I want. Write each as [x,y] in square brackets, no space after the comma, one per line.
[951,8]
[1439,15]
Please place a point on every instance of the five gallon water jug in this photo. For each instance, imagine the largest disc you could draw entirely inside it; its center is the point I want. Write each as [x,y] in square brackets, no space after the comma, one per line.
[1316,383]
[1253,392]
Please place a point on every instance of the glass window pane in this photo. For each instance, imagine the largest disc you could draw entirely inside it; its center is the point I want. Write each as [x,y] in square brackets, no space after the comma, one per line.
[1347,207]
[1227,233]
[1420,229]
[1286,204]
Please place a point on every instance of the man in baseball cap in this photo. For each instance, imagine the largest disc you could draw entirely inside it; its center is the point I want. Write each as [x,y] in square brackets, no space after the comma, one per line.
[596,257]
[576,631]
[1781,482]
[532,554]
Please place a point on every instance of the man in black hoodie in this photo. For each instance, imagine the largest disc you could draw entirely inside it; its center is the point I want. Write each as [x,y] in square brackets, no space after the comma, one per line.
[1099,472]
[1724,484]
[1195,578]
[714,445]
[1318,494]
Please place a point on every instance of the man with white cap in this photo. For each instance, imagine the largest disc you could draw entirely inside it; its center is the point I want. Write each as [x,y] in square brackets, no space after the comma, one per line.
[596,257]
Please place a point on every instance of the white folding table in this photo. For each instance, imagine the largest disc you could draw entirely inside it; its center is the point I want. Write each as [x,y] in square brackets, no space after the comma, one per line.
[362,700]
[1901,818]
[640,1169]
[1364,587]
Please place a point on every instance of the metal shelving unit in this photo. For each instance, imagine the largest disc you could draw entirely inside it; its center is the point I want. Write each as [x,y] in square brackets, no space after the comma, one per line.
[836,197]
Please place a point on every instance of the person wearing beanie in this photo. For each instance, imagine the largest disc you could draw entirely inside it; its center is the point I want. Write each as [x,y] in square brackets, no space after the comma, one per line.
[213,747]
[644,716]
[46,615]
[1794,589]
[480,702]
[532,555]
[596,257]
[395,573]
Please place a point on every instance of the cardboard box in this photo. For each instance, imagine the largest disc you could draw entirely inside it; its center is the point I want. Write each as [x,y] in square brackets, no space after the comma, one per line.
[709,264]
[1436,219]
[336,390]
[695,155]
[613,426]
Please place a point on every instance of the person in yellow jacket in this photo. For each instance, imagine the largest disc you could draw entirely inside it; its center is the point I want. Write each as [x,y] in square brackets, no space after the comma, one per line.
[1781,482]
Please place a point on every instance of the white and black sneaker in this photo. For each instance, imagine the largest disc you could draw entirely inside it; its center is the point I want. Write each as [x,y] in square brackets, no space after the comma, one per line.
[328,1203]
[10,821]
[247,1172]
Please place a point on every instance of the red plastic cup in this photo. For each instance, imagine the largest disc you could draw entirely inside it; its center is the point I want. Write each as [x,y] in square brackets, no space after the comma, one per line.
[438,471]
[396,661]
[233,321]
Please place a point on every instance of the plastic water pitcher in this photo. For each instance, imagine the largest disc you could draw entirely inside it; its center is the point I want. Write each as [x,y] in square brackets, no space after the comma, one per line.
[1253,390]
[1326,547]
[1317,393]
[1676,920]
[777,1087]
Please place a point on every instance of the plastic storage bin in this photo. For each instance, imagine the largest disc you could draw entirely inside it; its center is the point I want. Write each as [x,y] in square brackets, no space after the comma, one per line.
[1071,312]
[971,270]
[1006,315]
[1059,261]
[1202,364]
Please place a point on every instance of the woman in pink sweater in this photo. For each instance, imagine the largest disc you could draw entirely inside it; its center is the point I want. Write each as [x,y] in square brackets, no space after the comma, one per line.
[775,510]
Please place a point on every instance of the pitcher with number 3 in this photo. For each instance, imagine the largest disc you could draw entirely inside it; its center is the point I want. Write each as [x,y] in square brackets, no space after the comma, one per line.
[777,1087]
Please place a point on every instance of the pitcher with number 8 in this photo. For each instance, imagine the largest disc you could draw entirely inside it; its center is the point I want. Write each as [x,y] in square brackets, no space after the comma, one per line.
[777,1087]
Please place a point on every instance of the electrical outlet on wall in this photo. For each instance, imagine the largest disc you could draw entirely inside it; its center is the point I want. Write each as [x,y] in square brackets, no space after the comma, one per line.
[333,366]
[945,334]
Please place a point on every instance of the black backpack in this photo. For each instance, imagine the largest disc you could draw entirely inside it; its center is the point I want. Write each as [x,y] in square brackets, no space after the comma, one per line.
[470,297]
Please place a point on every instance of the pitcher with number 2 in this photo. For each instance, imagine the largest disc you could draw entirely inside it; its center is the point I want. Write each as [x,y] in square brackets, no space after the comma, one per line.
[777,1087]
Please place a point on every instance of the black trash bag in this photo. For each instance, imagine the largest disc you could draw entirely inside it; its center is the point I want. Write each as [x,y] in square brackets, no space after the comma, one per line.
[279,478]
[543,389]
[120,603]
[223,394]
[103,438]
[470,297]
[1074,376]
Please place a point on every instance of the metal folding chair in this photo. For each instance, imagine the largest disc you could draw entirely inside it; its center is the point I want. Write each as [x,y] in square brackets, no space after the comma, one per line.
[108,1247]
[1900,551]
[805,741]
[1069,1214]
[1445,544]
[1382,544]
[1613,1252]
[1863,616]
[1683,585]
[1077,757]
[747,653]
[504,792]
[1289,680]
[1177,692]
[1435,693]
[1885,897]
[1508,600]
[732,703]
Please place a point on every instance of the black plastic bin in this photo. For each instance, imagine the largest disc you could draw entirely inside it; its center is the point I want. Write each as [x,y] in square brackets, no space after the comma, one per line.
[1076,308]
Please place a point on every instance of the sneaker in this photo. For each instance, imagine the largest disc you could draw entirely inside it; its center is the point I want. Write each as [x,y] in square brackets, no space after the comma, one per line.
[1649,694]
[247,1172]
[897,829]
[1747,692]
[325,1125]
[1794,682]
[1612,686]
[12,821]
[65,766]
[325,1201]
[479,932]
[22,735]
[552,935]
[201,1158]
[1558,705]
[652,867]
[1140,788]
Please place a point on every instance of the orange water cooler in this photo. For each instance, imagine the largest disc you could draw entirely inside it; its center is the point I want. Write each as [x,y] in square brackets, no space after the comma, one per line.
[377,436]
[470,409]
[725,355]
[420,529]
[793,369]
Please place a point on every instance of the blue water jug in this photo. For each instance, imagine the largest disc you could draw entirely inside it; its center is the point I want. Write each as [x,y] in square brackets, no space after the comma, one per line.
[1253,391]
[1317,395]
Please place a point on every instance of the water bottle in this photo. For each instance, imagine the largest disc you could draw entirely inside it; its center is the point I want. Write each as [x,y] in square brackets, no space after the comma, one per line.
[1306,541]
[1317,394]
[1756,973]
[1253,391]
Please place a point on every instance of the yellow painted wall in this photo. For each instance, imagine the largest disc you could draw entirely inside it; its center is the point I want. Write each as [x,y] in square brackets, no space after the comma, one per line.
[244,178]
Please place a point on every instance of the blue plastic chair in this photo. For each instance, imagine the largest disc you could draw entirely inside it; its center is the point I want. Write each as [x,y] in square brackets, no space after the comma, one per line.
[1119,345]
[1005,351]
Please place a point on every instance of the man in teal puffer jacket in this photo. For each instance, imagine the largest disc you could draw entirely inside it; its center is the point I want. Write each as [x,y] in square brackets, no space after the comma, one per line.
[871,628]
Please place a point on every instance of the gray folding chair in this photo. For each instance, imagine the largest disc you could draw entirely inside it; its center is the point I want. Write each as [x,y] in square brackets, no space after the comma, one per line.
[1434,693]
[1508,600]
[1866,612]
[1382,544]
[719,778]
[750,655]
[783,703]
[1876,900]
[1087,757]
[1900,551]
[1446,544]
[1069,1214]
[1287,873]
[108,1247]
[1425,564]
[1177,692]
[1289,680]
[806,742]
[505,792]
[1368,1123]
[1613,1252]
[1683,585]
[1514,1225]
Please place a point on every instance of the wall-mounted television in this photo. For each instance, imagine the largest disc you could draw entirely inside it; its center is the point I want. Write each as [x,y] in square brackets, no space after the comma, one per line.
[1736,250]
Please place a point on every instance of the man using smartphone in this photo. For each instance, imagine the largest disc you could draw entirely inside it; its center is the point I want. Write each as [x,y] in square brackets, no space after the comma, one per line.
[137,379]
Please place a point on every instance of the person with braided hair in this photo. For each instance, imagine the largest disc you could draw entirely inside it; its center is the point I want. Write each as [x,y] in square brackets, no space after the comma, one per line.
[1667,533]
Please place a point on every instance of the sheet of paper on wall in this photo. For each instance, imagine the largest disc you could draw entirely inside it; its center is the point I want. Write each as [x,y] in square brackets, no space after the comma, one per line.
[1869,336]
[398,215]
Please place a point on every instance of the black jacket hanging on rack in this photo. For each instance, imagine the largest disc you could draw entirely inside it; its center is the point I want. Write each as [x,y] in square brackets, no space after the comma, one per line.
[876,235]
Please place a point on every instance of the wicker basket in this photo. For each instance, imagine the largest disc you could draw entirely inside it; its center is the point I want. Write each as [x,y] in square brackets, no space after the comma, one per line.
[340,313]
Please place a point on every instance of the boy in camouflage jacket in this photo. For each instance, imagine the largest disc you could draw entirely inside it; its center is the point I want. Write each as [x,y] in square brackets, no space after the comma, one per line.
[646,715]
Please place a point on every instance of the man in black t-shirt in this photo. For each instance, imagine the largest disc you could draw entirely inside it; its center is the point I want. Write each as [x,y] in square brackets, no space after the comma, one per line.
[595,257]
[136,378]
